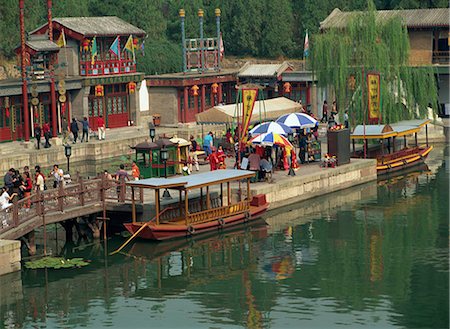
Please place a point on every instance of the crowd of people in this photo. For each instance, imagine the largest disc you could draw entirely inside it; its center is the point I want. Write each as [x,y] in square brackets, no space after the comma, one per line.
[74,128]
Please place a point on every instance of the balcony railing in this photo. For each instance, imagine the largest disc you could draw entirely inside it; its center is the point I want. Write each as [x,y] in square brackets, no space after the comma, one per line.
[441,57]
[107,67]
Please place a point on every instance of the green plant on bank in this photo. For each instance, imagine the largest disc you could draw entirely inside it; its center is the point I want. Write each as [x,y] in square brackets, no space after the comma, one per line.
[371,45]
[55,263]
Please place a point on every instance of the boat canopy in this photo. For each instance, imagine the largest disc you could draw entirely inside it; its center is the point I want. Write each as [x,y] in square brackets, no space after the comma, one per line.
[193,181]
[266,110]
[402,128]
[373,132]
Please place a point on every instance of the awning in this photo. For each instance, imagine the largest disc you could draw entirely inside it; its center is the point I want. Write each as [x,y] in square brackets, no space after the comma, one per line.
[373,132]
[265,110]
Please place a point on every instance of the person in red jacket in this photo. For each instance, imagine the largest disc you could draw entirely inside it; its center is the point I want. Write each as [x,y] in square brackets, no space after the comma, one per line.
[46,131]
[101,128]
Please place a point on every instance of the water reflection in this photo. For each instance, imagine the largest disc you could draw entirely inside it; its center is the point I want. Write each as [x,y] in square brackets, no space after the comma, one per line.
[374,255]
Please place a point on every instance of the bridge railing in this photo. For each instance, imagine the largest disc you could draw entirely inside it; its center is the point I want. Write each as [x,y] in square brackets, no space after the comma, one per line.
[80,193]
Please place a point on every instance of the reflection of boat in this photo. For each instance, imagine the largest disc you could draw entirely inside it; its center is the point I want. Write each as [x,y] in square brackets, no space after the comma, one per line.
[388,162]
[415,170]
[190,217]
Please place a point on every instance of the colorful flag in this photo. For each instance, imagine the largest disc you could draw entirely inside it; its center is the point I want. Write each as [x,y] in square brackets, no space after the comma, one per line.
[130,47]
[221,46]
[93,50]
[143,48]
[306,46]
[115,47]
[248,102]
[61,42]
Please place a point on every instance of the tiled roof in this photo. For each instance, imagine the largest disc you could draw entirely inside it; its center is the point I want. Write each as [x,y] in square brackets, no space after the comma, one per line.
[42,45]
[413,18]
[98,26]
[263,70]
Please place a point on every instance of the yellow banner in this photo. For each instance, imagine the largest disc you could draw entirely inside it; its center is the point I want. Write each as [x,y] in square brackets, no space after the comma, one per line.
[373,87]
[248,102]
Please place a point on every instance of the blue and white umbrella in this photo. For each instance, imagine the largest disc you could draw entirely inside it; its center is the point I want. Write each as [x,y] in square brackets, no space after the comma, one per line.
[271,127]
[298,120]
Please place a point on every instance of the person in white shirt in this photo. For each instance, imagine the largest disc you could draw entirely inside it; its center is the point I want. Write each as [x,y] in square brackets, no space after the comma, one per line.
[5,198]
[40,179]
[58,174]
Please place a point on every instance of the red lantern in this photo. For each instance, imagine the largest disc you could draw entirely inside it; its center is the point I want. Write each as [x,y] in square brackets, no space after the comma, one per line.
[7,112]
[85,44]
[63,108]
[214,88]
[287,87]
[99,91]
[135,43]
[194,90]
[132,87]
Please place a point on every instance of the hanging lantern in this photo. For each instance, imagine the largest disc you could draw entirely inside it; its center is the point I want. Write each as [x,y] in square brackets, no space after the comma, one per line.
[7,112]
[194,90]
[287,87]
[63,108]
[131,87]
[99,91]
[36,112]
[135,43]
[214,88]
[85,44]
[6,104]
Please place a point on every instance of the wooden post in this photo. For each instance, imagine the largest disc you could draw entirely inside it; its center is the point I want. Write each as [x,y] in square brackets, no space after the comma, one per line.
[15,212]
[426,134]
[415,137]
[186,206]
[103,196]
[393,144]
[201,198]
[221,194]
[229,193]
[133,206]
[180,199]
[61,198]
[404,140]
[248,190]
[141,195]
[353,143]
[208,200]
[80,181]
[157,205]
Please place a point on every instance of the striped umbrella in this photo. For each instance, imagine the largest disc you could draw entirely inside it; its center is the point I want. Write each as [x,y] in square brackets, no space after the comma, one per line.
[271,127]
[270,139]
[298,120]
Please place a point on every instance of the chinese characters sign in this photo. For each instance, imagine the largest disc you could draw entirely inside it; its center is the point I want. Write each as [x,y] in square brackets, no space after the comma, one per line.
[373,91]
[248,102]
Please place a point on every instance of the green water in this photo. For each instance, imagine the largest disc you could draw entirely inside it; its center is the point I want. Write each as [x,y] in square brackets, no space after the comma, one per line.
[373,256]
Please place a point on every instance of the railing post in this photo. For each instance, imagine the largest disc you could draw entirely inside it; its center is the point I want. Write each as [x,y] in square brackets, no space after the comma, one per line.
[15,212]
[61,195]
[80,180]
[141,195]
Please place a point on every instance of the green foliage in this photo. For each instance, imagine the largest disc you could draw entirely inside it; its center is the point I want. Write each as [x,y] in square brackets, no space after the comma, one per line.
[259,28]
[55,263]
[369,45]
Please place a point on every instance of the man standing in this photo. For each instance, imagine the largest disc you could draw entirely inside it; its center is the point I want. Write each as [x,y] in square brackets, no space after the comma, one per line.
[37,134]
[85,123]
[46,129]
[101,128]
[324,112]
[208,143]
[74,129]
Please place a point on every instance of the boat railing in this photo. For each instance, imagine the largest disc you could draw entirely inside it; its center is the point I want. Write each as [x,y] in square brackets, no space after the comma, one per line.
[217,213]
[399,154]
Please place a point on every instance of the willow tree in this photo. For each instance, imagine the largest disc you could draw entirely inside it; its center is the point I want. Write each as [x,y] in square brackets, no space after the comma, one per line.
[341,58]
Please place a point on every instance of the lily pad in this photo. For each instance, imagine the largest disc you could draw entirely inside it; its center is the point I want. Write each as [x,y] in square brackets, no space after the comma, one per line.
[56,263]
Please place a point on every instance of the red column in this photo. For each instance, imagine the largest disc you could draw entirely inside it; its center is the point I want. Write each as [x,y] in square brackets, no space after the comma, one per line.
[203,102]
[26,110]
[186,103]
[219,95]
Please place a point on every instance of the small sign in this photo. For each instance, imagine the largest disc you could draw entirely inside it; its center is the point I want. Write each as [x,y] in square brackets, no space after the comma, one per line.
[373,101]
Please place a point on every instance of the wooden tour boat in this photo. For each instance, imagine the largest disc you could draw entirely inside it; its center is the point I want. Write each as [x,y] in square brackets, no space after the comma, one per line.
[388,158]
[192,216]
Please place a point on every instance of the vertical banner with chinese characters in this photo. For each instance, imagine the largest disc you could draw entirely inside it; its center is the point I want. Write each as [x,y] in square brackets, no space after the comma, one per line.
[248,102]
[373,99]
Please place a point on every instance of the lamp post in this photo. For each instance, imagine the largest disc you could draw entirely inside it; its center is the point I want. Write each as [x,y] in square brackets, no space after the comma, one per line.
[68,153]
[164,156]
[152,132]
[291,169]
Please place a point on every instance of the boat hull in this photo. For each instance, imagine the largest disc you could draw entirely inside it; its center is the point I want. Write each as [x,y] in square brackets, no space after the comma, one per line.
[164,232]
[403,163]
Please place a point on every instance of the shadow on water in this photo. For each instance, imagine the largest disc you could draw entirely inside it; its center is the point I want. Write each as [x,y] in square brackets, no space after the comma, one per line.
[374,255]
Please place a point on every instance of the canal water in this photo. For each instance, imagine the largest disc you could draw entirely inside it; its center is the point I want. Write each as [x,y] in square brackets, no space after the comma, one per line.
[373,256]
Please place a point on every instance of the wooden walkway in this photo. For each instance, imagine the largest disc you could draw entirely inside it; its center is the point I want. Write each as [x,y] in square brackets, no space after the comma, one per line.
[80,198]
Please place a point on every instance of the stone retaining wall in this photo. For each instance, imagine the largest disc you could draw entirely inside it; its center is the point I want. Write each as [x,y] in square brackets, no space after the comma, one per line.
[9,256]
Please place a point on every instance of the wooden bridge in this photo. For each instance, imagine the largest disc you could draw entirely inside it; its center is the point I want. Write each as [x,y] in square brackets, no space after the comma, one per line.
[80,198]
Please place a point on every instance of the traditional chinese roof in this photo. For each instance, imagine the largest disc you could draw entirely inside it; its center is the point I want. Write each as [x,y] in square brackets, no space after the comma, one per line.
[263,70]
[96,26]
[42,45]
[412,18]
[373,132]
